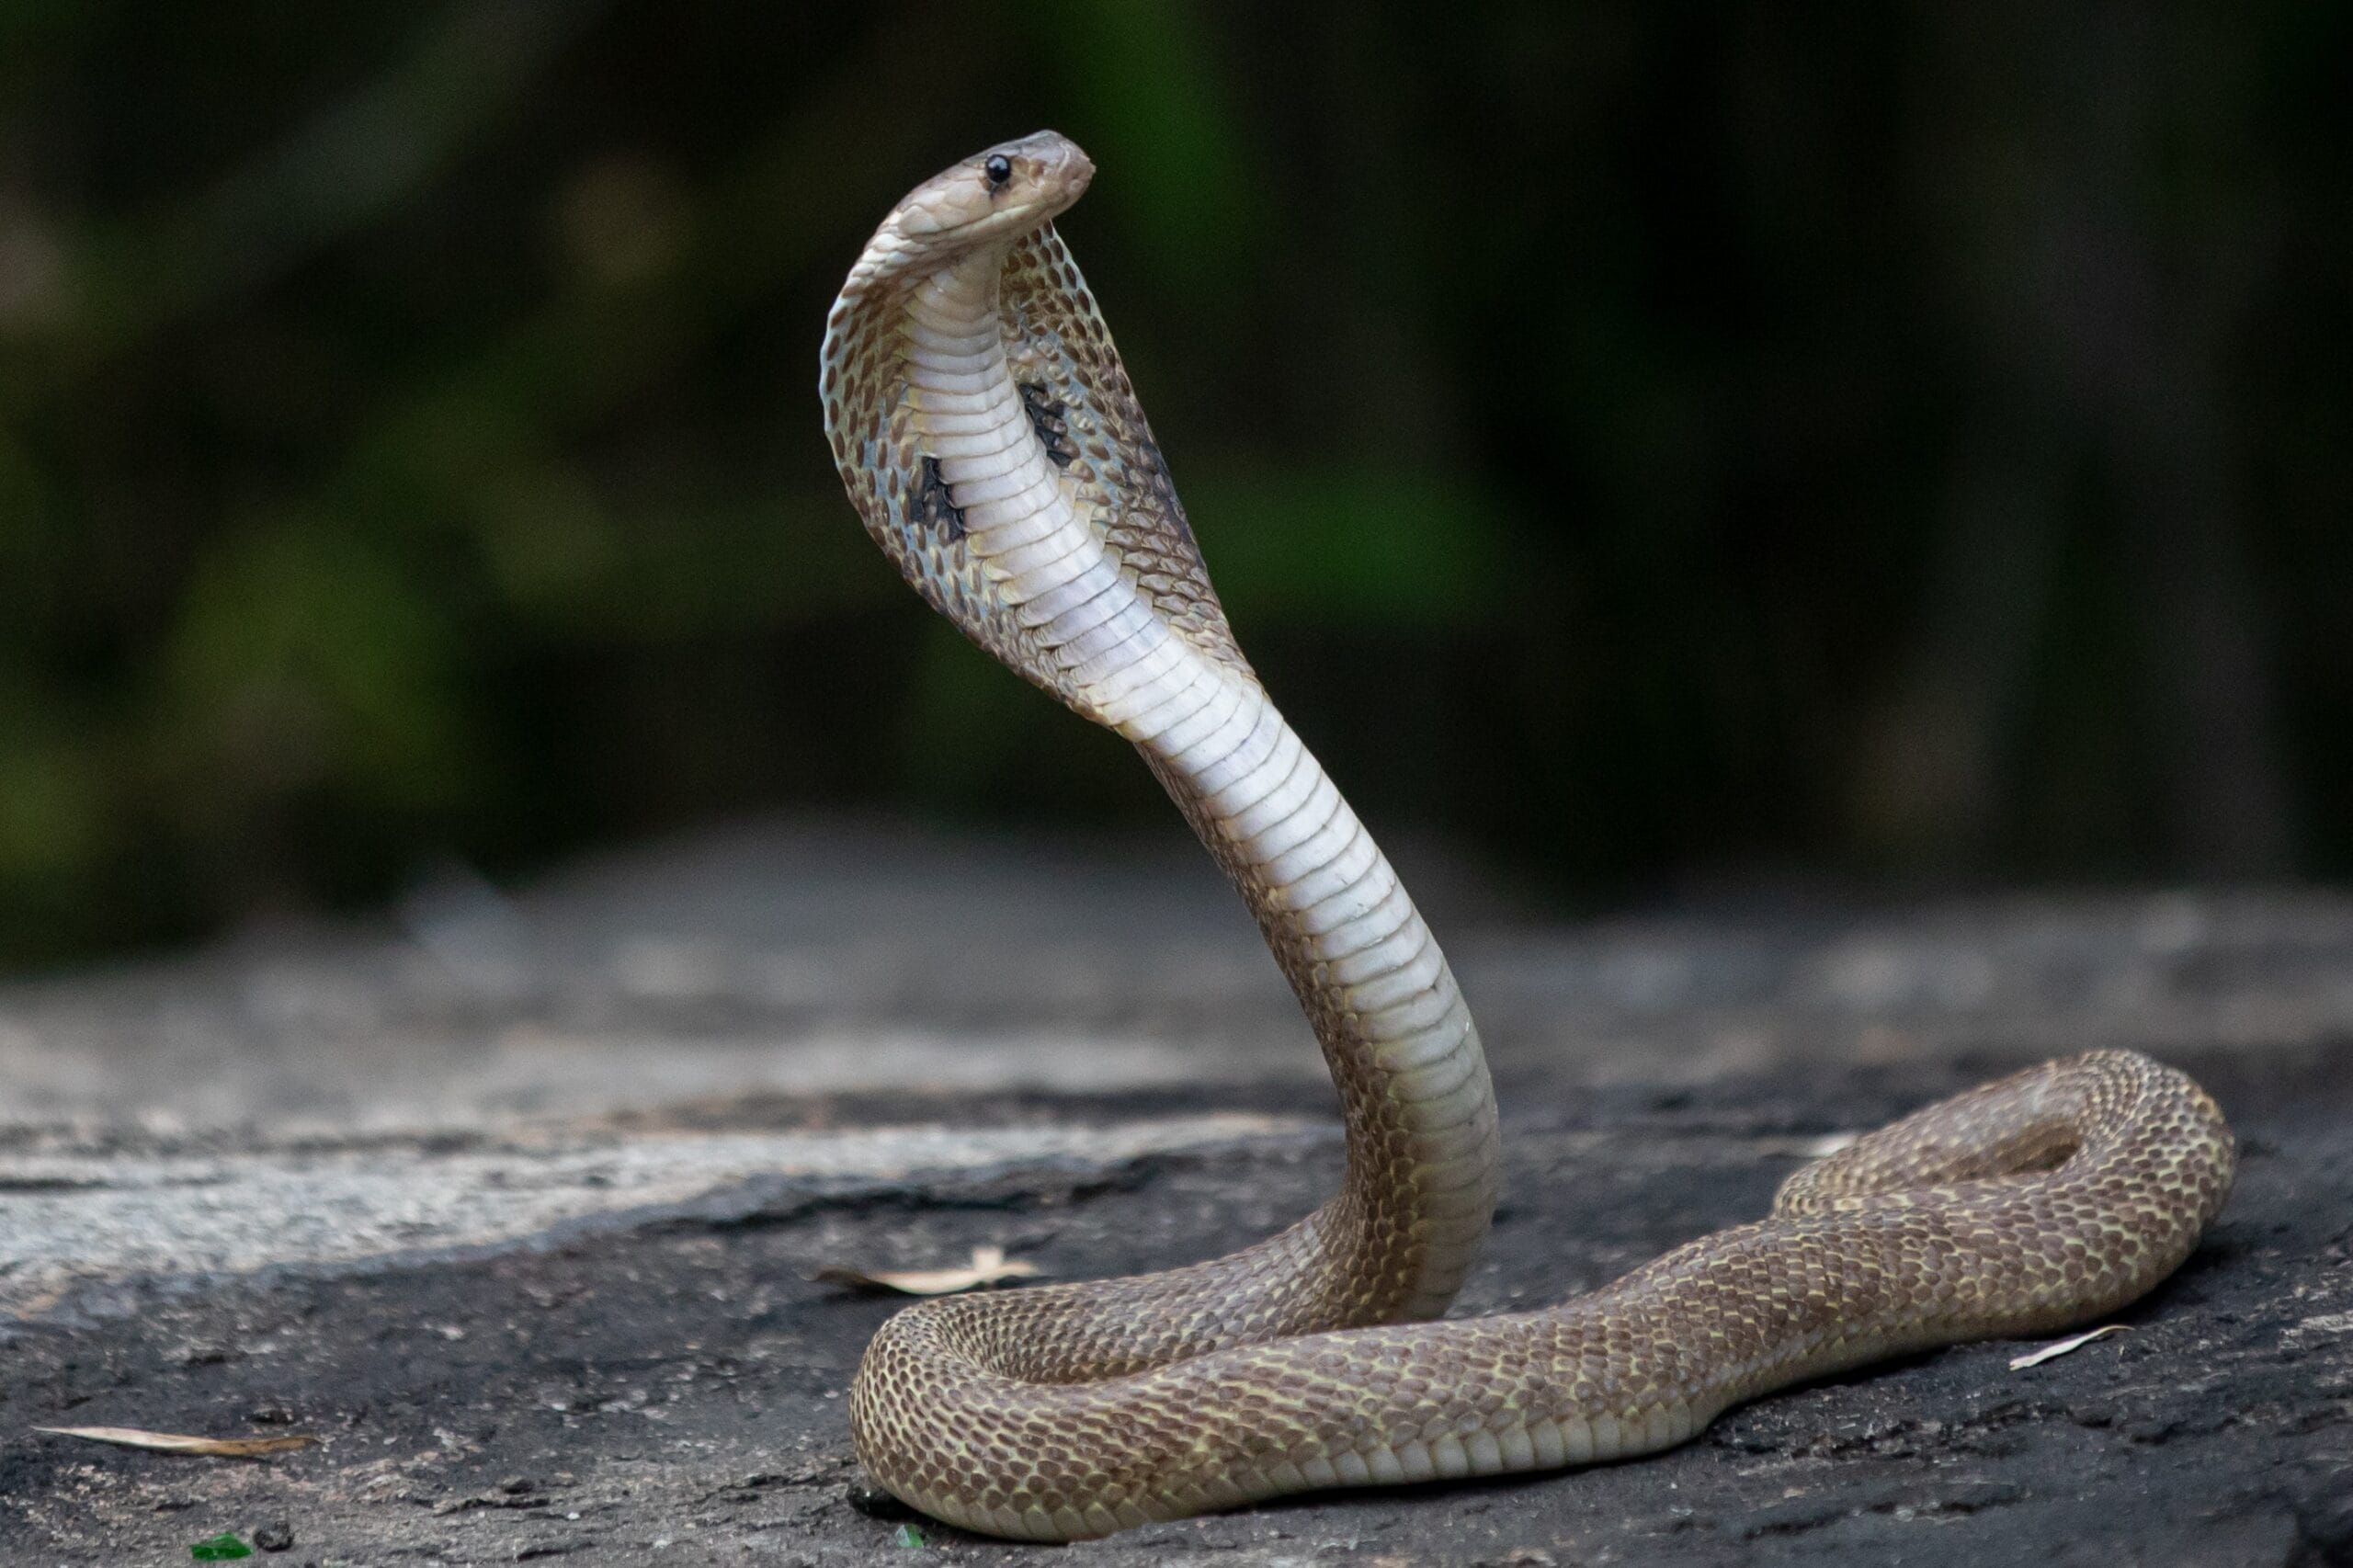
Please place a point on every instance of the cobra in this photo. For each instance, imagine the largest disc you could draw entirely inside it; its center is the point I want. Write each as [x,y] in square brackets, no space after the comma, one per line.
[989,437]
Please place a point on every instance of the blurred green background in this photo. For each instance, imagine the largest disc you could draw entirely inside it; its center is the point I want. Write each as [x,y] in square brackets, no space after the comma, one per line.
[1652,444]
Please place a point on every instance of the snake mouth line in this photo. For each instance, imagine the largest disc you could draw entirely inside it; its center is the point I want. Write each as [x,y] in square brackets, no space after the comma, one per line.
[978,231]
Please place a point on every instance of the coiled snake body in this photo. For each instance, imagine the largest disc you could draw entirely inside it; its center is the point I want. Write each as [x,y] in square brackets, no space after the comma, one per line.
[987,433]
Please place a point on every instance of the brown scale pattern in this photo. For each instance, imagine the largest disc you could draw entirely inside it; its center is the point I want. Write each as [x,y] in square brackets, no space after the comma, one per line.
[1070,1410]
[1055,338]
[870,425]
[1916,1236]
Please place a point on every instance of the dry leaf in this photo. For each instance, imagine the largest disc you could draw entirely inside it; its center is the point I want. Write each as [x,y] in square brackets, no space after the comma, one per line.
[989,1265]
[178,1443]
[1819,1147]
[2052,1352]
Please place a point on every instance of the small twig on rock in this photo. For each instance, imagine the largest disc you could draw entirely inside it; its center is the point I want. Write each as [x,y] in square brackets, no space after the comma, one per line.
[989,1265]
[2052,1351]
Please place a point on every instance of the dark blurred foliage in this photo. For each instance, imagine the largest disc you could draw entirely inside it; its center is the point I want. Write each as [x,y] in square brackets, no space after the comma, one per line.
[1645,441]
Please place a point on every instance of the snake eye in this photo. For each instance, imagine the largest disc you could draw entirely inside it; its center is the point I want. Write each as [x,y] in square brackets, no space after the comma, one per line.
[999,168]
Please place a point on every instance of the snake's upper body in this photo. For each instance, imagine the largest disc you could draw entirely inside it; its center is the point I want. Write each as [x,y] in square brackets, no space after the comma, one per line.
[988,434]
[984,424]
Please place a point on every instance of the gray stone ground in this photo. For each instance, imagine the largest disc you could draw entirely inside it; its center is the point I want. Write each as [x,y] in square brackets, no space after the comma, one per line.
[515,1203]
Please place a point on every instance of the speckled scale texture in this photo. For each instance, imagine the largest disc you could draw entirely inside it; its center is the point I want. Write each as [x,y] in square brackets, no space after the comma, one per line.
[1951,1224]
[1057,340]
[871,423]
[1071,1411]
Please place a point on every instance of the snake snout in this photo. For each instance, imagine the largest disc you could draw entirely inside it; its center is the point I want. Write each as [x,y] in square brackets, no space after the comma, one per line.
[1063,163]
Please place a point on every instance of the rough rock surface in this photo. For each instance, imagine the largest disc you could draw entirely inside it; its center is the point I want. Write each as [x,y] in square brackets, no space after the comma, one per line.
[520,1220]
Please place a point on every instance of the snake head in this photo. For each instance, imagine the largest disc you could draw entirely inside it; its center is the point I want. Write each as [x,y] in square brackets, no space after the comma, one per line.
[991,198]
